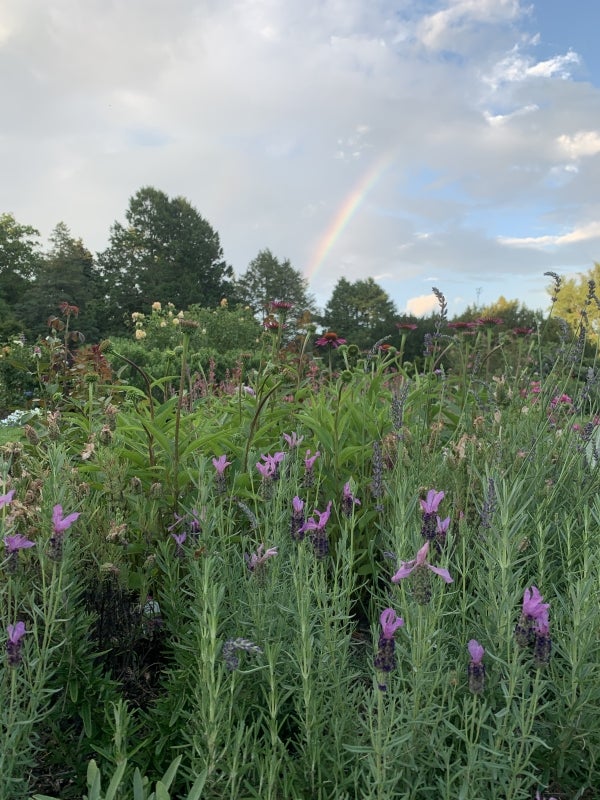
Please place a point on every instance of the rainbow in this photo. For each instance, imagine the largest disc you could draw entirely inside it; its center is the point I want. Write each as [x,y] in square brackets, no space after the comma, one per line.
[345,213]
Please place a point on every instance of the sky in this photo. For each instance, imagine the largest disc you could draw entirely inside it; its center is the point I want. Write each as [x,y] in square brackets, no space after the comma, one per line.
[447,143]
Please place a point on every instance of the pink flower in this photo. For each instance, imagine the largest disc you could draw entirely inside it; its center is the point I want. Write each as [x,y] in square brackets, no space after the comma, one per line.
[431,504]
[330,339]
[298,505]
[258,559]
[309,461]
[420,561]
[6,498]
[476,651]
[16,632]
[220,464]
[62,523]
[533,605]
[390,622]
[312,525]
[17,542]
[293,440]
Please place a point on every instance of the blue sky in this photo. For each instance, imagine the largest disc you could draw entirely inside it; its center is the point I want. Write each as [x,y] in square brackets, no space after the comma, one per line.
[270,115]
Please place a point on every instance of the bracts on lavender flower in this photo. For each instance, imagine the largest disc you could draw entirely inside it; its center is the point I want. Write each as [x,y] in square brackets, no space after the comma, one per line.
[220,464]
[297,520]
[385,658]
[318,536]
[476,668]
[60,524]
[256,561]
[13,645]
[309,463]
[13,544]
[419,570]
[179,539]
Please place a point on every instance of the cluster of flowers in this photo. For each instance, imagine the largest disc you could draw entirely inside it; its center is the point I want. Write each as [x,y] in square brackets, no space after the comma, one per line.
[14,543]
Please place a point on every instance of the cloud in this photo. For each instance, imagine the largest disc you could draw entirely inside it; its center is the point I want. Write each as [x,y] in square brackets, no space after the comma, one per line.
[584,233]
[582,143]
[421,305]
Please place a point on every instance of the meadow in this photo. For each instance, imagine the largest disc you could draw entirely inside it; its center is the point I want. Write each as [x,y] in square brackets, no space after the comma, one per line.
[329,574]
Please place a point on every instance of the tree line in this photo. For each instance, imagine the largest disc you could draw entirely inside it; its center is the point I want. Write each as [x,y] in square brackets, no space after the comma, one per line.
[166,251]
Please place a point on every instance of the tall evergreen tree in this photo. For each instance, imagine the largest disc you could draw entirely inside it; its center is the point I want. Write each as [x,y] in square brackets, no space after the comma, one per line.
[268,279]
[362,312]
[19,257]
[68,273]
[166,252]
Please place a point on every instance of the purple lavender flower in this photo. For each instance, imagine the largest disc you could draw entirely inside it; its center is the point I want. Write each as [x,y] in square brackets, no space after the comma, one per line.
[476,668]
[61,523]
[257,560]
[348,500]
[431,504]
[533,609]
[17,542]
[319,534]
[179,539]
[385,658]
[297,519]
[220,464]
[6,498]
[542,645]
[420,581]
[309,463]
[430,518]
[13,645]
[293,440]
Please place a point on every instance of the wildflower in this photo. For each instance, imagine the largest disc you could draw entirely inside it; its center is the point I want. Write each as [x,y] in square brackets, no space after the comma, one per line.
[348,500]
[13,645]
[258,559]
[441,529]
[6,498]
[230,648]
[377,474]
[431,504]
[490,321]
[140,334]
[281,305]
[476,669]
[430,507]
[385,658]
[309,463]
[271,324]
[220,464]
[61,523]
[156,306]
[519,331]
[331,340]
[297,519]
[533,609]
[293,440]
[17,542]
[418,568]
[406,326]
[319,534]
[179,539]
[460,325]
[249,391]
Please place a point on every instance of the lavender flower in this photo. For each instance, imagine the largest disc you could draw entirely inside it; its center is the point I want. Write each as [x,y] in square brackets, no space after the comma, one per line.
[256,561]
[385,658]
[309,463]
[377,475]
[418,567]
[429,508]
[297,519]
[348,500]
[220,464]
[6,498]
[179,539]
[13,645]
[293,440]
[542,645]
[13,544]
[60,524]
[319,534]
[476,669]
[533,609]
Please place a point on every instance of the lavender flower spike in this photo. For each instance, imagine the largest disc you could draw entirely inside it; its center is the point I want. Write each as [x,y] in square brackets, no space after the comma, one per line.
[13,645]
[258,559]
[390,622]
[420,561]
[532,603]
[385,658]
[476,669]
[220,464]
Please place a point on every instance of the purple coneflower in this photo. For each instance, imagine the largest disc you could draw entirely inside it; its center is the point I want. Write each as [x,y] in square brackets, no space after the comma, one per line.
[330,339]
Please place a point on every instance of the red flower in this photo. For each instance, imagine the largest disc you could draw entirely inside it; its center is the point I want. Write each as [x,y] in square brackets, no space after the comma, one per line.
[406,326]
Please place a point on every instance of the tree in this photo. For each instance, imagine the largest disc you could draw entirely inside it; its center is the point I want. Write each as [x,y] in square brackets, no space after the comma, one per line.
[362,312]
[66,273]
[268,279]
[19,258]
[512,313]
[577,295]
[167,252]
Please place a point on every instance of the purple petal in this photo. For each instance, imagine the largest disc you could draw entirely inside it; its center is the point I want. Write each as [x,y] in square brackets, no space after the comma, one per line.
[476,651]
[405,569]
[443,573]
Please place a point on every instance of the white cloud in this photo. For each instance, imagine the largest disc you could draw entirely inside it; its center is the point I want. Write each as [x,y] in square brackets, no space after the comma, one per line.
[421,305]
[584,233]
[582,143]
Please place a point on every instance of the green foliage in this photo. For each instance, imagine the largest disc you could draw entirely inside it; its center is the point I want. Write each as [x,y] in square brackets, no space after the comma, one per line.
[166,252]
[268,279]
[362,312]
